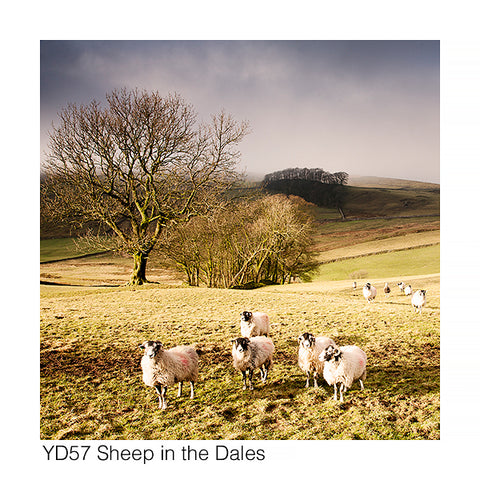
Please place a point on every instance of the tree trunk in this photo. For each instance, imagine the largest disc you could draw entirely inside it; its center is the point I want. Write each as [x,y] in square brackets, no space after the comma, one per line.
[139,267]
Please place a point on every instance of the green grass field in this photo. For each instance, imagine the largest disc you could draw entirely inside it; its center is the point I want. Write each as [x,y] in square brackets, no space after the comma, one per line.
[415,261]
[60,248]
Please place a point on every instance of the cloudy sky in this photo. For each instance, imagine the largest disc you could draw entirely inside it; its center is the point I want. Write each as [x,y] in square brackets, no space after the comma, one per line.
[364,107]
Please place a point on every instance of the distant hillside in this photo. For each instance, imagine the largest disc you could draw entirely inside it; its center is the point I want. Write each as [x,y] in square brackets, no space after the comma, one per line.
[392,183]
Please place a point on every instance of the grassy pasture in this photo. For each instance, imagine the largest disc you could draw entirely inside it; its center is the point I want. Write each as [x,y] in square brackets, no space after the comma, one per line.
[415,261]
[91,386]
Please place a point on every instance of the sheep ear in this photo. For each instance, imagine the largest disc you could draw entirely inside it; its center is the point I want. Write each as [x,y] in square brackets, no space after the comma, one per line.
[299,339]
[142,346]
[233,341]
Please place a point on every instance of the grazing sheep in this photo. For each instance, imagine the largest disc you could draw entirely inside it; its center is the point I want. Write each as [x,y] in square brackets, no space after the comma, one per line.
[407,290]
[419,300]
[386,289]
[163,368]
[369,292]
[309,349]
[343,366]
[354,285]
[251,353]
[401,286]
[254,324]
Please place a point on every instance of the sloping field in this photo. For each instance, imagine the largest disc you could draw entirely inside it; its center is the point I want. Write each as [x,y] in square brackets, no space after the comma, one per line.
[416,261]
[402,242]
[91,386]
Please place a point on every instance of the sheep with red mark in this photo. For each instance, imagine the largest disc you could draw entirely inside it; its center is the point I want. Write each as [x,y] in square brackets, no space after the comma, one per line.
[343,366]
[163,368]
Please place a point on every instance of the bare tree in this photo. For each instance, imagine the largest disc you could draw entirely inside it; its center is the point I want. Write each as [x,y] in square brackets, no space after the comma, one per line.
[137,165]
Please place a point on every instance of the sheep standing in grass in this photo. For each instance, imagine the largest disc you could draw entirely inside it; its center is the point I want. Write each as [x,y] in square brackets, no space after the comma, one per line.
[386,289]
[309,349]
[163,368]
[401,286]
[407,290]
[251,353]
[254,324]
[419,300]
[343,366]
[354,285]
[369,292]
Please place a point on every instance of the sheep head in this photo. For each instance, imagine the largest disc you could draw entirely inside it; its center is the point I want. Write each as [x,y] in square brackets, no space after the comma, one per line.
[307,340]
[241,344]
[151,348]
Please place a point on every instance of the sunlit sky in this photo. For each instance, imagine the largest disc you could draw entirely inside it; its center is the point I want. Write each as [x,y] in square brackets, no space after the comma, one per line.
[364,107]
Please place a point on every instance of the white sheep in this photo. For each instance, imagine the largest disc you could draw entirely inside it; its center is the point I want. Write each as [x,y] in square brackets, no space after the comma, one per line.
[386,289]
[309,349]
[419,300]
[354,285]
[251,353]
[254,324]
[407,290]
[369,292]
[401,286]
[343,366]
[163,368]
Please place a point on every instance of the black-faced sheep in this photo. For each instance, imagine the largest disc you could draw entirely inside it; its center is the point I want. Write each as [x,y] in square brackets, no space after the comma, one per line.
[309,349]
[254,324]
[251,353]
[386,289]
[369,292]
[401,286]
[407,290]
[418,300]
[342,366]
[163,368]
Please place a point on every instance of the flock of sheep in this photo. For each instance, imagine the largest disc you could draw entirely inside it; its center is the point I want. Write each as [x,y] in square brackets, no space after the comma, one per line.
[340,366]
[419,298]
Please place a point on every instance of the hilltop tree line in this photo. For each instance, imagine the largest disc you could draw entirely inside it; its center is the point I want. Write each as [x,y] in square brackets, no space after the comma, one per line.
[315,185]
[314,174]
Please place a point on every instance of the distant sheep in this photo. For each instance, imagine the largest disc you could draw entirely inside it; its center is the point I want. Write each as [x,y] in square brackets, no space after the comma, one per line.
[369,292]
[386,289]
[401,286]
[163,368]
[251,353]
[418,300]
[343,366]
[309,349]
[254,324]
[407,290]
[354,285]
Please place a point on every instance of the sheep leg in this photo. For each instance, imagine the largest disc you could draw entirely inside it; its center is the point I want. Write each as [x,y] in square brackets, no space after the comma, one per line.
[361,385]
[162,401]
[244,377]
[192,392]
[180,384]
[341,391]
[164,398]
[315,383]
[262,373]
[250,378]
[308,380]
[335,391]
